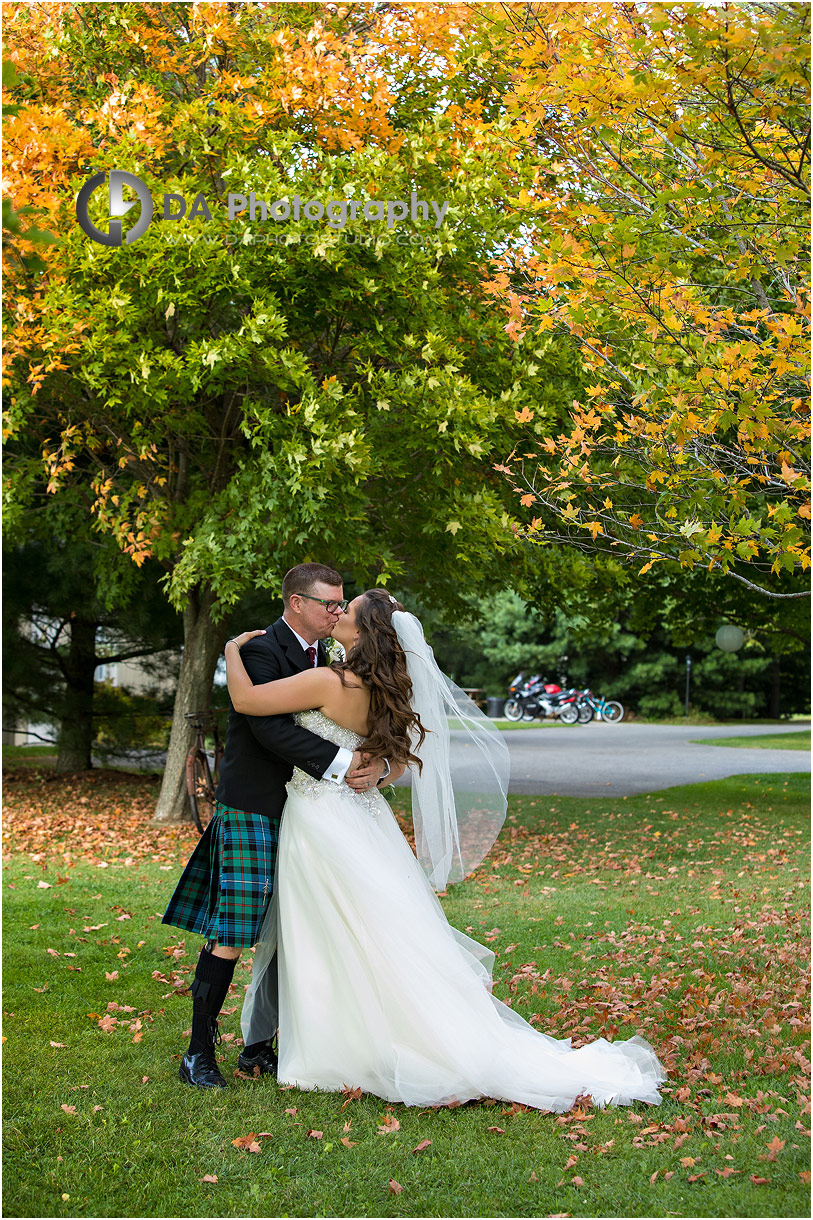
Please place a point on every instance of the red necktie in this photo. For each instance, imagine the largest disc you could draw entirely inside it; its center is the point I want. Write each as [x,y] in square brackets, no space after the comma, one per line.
[311,655]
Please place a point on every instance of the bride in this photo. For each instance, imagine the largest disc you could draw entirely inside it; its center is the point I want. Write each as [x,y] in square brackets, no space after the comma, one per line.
[376,990]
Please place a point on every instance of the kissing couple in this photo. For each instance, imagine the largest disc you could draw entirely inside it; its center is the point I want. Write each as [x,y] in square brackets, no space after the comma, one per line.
[355,964]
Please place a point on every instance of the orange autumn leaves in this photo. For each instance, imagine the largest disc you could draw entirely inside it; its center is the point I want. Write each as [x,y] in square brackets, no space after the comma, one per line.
[666,242]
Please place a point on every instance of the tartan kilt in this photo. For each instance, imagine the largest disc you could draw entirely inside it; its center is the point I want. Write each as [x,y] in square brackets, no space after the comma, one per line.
[225,889]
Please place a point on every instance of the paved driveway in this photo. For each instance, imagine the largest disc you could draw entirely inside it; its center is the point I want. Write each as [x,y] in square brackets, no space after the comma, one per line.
[628,758]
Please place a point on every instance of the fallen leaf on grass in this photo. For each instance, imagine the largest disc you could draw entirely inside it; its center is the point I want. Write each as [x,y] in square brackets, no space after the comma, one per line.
[68,1109]
[389,1124]
[727,1172]
[804,1174]
[496,1130]
[108,1024]
[571,1161]
[422,1146]
[350,1095]
[247,1143]
[695,1177]
[209,1177]
[293,1110]
[758,1181]
[59,1044]
[776,1145]
[314,1135]
[53,952]
[395,1188]
[348,1143]
[97,1108]
[44,885]
[144,1079]
[577,1181]
[111,975]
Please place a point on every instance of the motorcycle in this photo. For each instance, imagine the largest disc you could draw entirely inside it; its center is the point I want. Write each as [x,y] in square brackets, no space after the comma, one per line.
[539,699]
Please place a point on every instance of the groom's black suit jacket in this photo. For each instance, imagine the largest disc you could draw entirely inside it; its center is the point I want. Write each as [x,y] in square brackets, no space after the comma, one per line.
[262,751]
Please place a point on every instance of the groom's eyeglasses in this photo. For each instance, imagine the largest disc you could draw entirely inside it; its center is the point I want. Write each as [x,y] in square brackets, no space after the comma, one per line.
[331,607]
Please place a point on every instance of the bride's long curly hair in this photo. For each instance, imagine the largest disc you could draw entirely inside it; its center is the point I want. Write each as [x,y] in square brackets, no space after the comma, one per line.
[380,662]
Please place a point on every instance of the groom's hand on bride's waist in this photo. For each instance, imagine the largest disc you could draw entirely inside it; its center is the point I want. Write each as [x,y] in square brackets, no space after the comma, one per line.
[366,772]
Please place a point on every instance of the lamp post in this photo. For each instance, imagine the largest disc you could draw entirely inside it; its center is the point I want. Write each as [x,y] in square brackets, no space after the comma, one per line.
[688,679]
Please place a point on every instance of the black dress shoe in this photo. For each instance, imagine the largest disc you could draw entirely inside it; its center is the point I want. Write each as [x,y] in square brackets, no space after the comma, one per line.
[264,1057]
[202,1070]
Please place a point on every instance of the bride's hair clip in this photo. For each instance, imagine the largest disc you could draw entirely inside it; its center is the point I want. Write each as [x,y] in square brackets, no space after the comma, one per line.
[394,600]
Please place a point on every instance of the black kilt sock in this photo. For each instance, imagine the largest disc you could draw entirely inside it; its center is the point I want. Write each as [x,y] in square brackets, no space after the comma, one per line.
[210,988]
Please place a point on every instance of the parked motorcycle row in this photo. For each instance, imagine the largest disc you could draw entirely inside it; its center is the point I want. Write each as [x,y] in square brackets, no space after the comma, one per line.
[536,698]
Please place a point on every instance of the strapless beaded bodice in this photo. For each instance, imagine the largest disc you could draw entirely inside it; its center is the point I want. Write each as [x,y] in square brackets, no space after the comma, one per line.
[307,786]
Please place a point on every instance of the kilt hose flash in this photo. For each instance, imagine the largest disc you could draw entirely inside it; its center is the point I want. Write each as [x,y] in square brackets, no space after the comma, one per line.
[225,889]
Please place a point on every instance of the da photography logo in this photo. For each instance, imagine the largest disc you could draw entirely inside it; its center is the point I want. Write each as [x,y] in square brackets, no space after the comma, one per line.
[117,206]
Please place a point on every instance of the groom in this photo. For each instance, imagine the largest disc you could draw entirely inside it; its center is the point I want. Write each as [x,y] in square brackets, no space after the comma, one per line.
[225,888]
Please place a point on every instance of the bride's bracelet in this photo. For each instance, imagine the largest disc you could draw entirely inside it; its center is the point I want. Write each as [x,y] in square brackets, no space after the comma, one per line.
[232,641]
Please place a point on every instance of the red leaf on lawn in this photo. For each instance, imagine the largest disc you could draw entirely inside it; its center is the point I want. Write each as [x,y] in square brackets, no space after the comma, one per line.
[68,1109]
[395,1188]
[577,1181]
[144,1079]
[804,1174]
[293,1110]
[776,1145]
[571,1161]
[97,1108]
[108,1024]
[758,1181]
[497,1130]
[53,952]
[44,885]
[59,1044]
[389,1124]
[314,1135]
[348,1143]
[111,975]
[422,1146]
[727,1172]
[347,1125]
[209,1177]
[695,1177]
[350,1095]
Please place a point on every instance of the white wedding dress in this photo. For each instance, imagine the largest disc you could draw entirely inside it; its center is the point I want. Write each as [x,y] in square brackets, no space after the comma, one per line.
[377,991]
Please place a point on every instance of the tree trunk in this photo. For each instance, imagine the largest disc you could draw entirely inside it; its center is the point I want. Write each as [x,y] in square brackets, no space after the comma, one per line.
[203,642]
[76,720]
[775,706]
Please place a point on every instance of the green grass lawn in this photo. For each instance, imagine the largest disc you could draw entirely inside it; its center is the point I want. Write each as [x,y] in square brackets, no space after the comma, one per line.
[796,740]
[681,915]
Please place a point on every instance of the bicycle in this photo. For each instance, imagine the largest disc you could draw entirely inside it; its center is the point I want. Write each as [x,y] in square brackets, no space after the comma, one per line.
[201,777]
[604,709]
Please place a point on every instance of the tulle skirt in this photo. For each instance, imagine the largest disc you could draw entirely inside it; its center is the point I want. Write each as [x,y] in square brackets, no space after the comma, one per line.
[377,991]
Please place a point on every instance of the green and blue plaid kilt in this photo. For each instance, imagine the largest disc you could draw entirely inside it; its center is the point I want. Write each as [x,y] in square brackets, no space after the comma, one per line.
[225,888]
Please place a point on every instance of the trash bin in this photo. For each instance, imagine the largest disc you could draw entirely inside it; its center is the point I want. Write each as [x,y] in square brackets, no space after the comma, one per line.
[494,707]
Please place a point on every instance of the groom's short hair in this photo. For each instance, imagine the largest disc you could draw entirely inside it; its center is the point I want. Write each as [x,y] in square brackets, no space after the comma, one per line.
[304,576]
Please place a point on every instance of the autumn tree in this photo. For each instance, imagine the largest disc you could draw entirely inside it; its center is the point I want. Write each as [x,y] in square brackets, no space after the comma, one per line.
[238,395]
[667,236]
